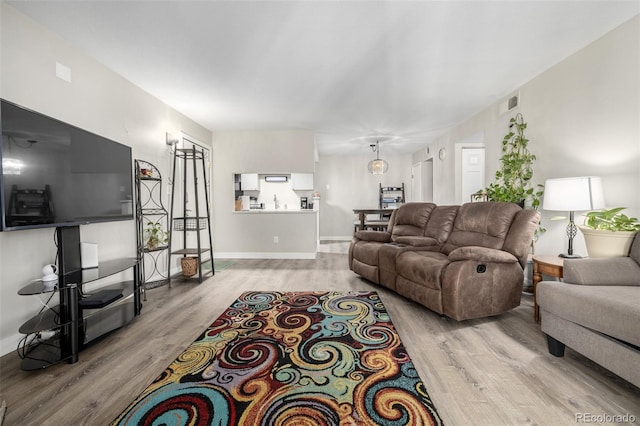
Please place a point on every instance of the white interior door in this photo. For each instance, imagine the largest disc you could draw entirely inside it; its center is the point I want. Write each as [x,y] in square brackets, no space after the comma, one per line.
[472,172]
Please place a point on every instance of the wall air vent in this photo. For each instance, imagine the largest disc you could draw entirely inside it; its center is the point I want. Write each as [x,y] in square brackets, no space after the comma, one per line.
[511,103]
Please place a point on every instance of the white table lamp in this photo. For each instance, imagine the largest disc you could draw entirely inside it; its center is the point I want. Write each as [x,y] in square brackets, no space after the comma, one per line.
[573,194]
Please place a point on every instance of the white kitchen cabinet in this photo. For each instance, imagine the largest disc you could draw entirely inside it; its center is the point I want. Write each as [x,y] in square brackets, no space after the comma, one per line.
[302,181]
[249,182]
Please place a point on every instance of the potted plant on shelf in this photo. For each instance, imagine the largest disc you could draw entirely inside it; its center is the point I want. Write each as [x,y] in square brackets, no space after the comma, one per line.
[609,233]
[513,181]
[156,236]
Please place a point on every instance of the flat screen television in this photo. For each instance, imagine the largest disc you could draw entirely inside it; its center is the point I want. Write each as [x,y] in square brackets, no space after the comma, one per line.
[55,174]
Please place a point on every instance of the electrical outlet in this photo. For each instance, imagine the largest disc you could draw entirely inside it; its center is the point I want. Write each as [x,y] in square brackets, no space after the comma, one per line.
[46,334]
[276,240]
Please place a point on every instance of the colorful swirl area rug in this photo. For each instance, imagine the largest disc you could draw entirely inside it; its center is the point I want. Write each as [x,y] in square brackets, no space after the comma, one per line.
[291,358]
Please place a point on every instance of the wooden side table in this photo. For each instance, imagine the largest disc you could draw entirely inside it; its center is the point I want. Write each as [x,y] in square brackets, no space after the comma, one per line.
[547,265]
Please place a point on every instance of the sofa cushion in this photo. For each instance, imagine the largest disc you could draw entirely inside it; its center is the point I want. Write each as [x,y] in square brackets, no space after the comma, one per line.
[609,271]
[367,252]
[634,253]
[481,254]
[416,241]
[611,310]
[411,219]
[441,223]
[423,267]
[481,224]
[367,271]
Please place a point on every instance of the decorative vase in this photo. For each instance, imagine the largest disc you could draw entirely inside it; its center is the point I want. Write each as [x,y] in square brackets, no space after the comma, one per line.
[602,243]
[152,243]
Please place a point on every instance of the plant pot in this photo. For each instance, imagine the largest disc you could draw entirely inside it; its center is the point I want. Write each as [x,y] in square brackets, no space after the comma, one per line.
[189,266]
[152,243]
[607,243]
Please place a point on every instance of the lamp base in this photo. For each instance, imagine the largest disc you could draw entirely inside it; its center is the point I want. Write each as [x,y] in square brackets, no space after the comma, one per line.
[570,256]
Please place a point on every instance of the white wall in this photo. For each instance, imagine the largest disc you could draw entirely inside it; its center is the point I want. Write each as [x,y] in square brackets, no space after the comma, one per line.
[583,118]
[97,100]
[262,152]
[345,183]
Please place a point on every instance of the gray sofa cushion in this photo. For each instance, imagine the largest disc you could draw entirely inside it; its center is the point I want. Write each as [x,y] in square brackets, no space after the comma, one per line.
[634,253]
[602,271]
[611,310]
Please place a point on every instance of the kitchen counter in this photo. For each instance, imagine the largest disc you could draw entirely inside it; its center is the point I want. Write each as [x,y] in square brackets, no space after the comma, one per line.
[258,211]
[273,234]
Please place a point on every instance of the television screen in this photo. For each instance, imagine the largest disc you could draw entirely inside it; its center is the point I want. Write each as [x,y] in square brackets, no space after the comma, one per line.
[55,174]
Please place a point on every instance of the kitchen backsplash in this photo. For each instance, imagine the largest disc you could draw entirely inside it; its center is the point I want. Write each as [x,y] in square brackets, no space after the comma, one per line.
[282,190]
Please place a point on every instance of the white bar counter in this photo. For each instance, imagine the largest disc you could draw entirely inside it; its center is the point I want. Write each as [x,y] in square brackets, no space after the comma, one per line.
[273,234]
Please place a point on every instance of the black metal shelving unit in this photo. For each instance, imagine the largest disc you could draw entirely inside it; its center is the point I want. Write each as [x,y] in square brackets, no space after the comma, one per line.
[73,325]
[150,210]
[194,182]
[391,196]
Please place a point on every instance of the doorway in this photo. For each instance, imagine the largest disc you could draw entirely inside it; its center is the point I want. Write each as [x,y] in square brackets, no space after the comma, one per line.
[472,172]
[422,181]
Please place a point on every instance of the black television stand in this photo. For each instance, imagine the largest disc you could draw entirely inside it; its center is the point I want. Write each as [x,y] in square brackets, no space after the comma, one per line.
[79,317]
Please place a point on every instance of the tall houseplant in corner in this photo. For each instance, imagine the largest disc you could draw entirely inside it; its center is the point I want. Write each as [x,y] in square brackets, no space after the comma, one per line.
[513,180]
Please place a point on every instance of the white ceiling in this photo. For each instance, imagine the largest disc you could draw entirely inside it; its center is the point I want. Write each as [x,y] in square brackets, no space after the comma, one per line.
[408,70]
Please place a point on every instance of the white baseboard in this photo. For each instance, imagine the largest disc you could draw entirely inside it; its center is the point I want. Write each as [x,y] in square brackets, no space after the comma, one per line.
[337,238]
[266,255]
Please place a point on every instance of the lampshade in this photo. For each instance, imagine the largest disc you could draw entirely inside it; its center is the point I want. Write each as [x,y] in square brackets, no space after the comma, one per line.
[377,166]
[573,194]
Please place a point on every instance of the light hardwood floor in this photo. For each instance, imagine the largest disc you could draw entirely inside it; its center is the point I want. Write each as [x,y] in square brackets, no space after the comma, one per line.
[494,371]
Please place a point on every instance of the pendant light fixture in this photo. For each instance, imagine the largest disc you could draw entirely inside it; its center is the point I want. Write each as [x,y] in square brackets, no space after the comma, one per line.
[377,166]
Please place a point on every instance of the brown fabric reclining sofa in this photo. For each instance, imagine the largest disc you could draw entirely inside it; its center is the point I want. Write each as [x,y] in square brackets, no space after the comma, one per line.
[460,261]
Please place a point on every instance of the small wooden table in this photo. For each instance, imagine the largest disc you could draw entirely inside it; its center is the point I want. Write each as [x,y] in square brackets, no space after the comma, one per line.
[362,214]
[547,265]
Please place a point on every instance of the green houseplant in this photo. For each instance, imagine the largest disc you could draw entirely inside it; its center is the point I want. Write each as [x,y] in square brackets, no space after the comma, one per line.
[611,220]
[513,181]
[155,235]
[609,233]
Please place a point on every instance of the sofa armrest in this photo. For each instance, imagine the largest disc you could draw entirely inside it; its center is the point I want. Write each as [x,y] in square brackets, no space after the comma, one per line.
[602,271]
[481,254]
[377,236]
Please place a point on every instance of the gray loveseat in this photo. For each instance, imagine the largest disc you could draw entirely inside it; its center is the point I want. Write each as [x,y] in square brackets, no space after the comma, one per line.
[460,261]
[596,311]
